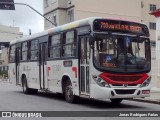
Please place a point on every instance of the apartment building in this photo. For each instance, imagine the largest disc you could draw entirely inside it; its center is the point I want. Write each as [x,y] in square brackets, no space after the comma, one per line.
[7,34]
[156,63]
[149,6]
[65,11]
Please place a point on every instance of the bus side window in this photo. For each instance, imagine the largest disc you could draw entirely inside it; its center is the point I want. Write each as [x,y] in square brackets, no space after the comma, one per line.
[69,44]
[29,50]
[24,51]
[34,50]
[54,46]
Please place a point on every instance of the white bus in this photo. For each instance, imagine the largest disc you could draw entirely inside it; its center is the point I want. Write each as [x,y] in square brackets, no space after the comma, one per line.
[94,58]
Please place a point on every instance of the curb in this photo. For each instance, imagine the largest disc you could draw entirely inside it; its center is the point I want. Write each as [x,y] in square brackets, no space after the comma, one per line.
[145,100]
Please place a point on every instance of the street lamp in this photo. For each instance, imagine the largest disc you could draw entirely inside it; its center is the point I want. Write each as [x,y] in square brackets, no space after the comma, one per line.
[6,6]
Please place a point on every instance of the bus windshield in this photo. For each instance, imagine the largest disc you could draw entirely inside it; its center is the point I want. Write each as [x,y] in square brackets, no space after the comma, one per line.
[122,53]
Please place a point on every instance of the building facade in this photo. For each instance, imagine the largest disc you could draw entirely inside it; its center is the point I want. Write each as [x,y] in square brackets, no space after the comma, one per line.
[149,6]
[65,11]
[8,33]
[156,64]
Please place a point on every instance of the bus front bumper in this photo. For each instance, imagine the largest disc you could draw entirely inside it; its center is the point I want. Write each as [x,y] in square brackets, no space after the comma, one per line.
[98,92]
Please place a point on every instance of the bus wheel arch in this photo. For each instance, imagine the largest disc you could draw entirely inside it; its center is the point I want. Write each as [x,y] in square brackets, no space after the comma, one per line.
[67,90]
[25,88]
[22,77]
[65,78]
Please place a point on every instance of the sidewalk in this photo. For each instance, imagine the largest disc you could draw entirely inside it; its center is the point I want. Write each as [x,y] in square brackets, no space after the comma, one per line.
[154,97]
[4,80]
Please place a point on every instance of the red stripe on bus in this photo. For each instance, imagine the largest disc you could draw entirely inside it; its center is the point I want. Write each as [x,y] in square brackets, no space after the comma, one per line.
[74,69]
[123,79]
[48,70]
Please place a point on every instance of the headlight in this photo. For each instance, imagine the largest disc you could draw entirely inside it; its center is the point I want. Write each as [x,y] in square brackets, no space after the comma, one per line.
[146,82]
[100,81]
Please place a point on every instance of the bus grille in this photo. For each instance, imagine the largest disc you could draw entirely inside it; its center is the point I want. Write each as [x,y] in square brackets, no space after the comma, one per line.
[125,91]
[123,85]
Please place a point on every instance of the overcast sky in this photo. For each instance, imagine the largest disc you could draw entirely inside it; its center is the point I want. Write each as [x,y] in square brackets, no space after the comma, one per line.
[24,17]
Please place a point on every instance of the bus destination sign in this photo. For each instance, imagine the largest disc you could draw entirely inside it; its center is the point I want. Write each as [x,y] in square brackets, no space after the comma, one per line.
[120,26]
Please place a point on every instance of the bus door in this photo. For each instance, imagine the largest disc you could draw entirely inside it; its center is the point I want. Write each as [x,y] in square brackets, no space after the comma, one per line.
[84,65]
[43,65]
[17,64]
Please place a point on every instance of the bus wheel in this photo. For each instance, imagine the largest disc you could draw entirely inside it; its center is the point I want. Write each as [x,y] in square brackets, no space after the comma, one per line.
[116,101]
[26,90]
[69,96]
[34,91]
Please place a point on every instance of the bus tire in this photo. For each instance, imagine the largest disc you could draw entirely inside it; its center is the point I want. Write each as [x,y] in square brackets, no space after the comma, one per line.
[33,91]
[116,101]
[69,96]
[25,88]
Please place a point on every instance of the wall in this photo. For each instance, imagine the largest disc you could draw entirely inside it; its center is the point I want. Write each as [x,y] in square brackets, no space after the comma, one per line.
[4,56]
[8,33]
[156,69]
[146,17]
[108,8]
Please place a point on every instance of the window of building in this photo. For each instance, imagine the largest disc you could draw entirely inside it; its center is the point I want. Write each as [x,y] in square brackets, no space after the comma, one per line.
[24,51]
[70,15]
[142,4]
[45,3]
[47,23]
[54,18]
[12,54]
[33,50]
[152,7]
[54,46]
[152,26]
[69,44]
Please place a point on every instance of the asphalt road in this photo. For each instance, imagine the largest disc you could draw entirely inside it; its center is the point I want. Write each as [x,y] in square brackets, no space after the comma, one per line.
[12,99]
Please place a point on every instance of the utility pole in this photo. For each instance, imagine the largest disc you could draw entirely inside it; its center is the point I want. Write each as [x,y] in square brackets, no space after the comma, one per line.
[30,32]
[6,6]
